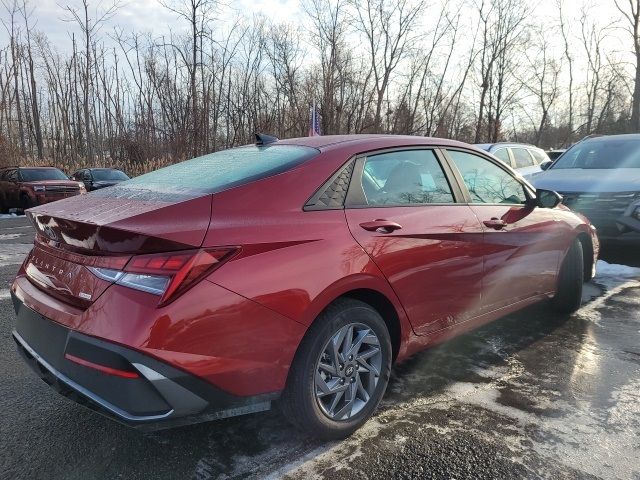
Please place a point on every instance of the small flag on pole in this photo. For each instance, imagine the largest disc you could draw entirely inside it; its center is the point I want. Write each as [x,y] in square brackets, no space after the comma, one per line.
[314,121]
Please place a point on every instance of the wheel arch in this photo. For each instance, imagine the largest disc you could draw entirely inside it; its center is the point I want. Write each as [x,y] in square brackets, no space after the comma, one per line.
[377,293]
[387,311]
[587,254]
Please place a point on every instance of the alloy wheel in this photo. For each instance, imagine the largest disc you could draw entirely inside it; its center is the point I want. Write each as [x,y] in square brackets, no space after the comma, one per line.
[348,371]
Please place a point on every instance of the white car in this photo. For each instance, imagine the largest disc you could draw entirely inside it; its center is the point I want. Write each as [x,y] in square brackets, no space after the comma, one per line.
[527,160]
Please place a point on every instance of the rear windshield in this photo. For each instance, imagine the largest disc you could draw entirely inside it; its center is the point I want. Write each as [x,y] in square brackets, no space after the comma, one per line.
[595,154]
[39,174]
[108,174]
[221,170]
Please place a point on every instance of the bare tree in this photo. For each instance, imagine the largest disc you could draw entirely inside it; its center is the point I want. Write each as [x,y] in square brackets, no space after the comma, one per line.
[502,23]
[89,27]
[198,13]
[544,71]
[630,9]
[389,29]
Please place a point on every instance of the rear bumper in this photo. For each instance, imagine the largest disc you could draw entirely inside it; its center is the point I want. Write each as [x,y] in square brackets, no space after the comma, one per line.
[155,395]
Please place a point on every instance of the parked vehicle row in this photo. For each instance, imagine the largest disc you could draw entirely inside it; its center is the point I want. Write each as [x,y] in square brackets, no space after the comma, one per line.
[25,187]
[97,178]
[295,270]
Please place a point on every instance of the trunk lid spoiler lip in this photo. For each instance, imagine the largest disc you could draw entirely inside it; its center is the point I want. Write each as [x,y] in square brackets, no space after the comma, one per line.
[66,225]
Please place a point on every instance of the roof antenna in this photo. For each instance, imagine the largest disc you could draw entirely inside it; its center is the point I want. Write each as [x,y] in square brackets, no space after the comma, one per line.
[262,139]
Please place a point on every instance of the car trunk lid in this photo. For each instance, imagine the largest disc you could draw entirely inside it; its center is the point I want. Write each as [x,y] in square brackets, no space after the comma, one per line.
[106,230]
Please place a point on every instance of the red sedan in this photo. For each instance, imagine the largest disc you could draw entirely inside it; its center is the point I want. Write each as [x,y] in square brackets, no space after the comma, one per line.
[297,270]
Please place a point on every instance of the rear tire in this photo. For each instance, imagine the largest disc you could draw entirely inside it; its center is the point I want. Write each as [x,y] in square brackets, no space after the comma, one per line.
[357,371]
[568,297]
[3,208]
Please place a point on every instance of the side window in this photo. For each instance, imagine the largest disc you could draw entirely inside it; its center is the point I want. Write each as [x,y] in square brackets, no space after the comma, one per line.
[539,156]
[521,157]
[503,155]
[86,175]
[487,183]
[11,176]
[410,177]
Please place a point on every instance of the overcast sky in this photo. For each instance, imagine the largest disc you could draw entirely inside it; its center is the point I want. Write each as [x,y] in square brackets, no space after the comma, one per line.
[150,15]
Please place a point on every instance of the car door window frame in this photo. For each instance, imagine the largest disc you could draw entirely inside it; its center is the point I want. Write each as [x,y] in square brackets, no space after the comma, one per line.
[356,197]
[528,191]
[544,156]
[12,176]
[509,155]
[532,159]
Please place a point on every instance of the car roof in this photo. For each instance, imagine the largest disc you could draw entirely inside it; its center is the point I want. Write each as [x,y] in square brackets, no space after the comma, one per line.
[622,136]
[325,142]
[505,144]
[38,168]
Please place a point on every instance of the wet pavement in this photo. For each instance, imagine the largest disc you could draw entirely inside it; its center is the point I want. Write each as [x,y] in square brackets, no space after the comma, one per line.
[533,395]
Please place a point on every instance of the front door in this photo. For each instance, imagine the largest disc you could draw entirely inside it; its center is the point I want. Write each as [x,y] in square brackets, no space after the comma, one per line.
[429,247]
[522,241]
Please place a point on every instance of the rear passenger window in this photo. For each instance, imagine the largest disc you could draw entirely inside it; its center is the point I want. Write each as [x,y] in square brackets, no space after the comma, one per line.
[411,177]
[521,157]
[503,155]
[539,156]
[487,183]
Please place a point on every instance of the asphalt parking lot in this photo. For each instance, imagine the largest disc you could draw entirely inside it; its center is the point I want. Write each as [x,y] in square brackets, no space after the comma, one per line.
[534,395]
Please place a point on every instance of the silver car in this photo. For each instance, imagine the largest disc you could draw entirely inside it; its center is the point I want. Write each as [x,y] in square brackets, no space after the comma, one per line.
[600,178]
[526,159]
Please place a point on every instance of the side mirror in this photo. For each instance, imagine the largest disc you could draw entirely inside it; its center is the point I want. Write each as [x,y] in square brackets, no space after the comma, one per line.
[545,165]
[548,198]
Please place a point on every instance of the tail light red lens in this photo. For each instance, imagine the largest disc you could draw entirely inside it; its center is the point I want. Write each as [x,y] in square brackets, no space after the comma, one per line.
[167,274]
[183,268]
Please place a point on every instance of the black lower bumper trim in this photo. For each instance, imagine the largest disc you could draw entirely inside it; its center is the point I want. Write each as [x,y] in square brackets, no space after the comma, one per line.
[162,397]
[54,378]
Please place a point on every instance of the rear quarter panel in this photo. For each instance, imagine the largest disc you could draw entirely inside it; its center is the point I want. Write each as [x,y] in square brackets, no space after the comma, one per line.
[291,261]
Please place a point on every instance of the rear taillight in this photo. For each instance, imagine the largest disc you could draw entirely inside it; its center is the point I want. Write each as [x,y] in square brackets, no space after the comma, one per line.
[166,274]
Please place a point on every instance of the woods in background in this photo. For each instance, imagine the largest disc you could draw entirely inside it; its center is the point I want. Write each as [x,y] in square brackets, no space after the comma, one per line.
[477,71]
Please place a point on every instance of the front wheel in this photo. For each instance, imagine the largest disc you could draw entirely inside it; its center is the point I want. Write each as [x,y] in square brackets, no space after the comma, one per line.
[340,371]
[568,297]
[26,202]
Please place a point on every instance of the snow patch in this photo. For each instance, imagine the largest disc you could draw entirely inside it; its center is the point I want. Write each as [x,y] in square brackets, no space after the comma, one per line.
[5,295]
[604,269]
[10,236]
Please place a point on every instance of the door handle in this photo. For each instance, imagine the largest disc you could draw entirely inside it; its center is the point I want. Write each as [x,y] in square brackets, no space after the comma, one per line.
[381,226]
[495,223]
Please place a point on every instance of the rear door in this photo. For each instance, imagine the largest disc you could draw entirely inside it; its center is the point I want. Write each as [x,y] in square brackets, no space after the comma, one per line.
[503,155]
[522,242]
[403,209]
[524,161]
